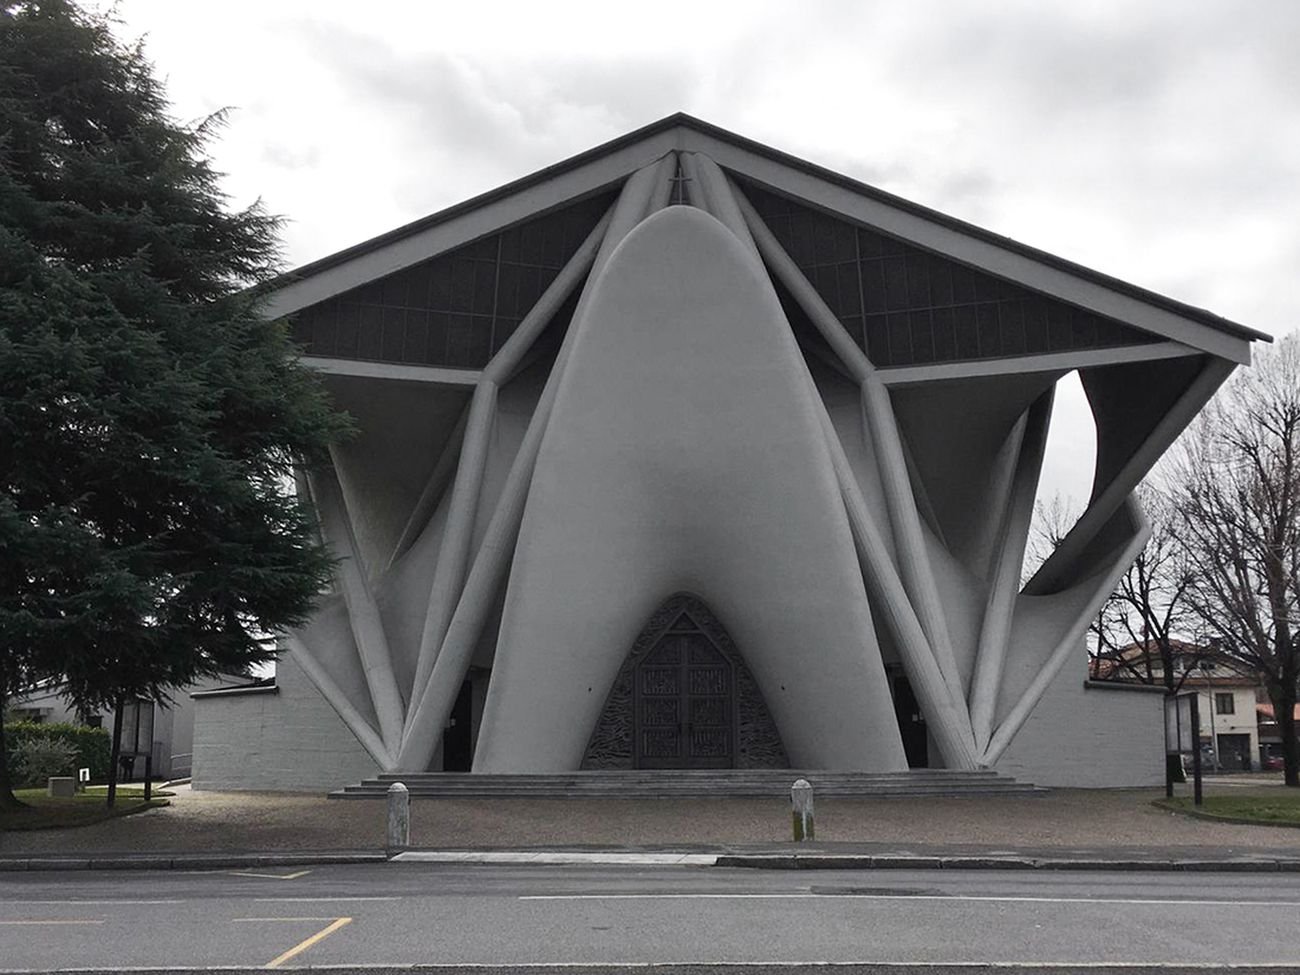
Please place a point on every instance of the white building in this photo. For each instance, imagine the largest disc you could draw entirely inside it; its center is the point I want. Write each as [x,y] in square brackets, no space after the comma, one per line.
[685,453]
[1229,720]
[165,732]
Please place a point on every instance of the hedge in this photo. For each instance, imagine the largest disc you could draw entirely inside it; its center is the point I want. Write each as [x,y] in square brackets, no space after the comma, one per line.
[93,745]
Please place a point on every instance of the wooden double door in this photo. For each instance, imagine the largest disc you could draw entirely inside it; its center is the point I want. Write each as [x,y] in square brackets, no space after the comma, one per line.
[684,704]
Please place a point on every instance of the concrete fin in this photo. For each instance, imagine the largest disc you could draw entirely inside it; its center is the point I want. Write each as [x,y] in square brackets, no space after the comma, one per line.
[1046,629]
[1025,448]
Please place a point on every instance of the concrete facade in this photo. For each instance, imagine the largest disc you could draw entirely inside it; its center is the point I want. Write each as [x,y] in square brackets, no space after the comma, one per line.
[281,738]
[684,370]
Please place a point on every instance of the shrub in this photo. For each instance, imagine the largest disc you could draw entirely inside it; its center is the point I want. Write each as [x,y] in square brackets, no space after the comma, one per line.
[36,759]
[91,746]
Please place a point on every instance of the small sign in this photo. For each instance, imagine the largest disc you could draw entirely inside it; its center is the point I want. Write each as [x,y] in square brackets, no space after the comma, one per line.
[83,776]
[1180,733]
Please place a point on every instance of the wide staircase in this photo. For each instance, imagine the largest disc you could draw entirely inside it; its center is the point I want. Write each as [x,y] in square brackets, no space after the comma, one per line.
[692,783]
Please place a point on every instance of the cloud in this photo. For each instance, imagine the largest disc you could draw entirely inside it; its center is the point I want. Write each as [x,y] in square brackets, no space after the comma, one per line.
[475,123]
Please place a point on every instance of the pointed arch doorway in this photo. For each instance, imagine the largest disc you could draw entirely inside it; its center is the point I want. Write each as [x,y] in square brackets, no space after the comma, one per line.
[684,699]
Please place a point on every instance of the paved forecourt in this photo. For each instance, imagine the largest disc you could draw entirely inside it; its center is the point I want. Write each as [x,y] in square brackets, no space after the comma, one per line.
[403,914]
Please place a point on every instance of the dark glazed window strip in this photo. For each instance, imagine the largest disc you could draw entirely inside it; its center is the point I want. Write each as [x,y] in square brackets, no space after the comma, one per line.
[906,306]
[456,309]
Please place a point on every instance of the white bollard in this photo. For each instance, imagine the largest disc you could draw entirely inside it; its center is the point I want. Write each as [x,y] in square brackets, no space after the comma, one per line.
[399,818]
[801,802]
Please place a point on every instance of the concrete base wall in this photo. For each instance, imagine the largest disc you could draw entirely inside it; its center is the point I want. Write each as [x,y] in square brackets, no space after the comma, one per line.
[1088,737]
[1079,737]
[288,741]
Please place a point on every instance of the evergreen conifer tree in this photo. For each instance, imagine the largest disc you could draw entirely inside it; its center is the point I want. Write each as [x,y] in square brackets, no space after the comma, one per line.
[150,418]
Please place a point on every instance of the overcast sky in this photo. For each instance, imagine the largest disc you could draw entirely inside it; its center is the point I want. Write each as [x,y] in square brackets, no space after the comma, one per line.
[1155,141]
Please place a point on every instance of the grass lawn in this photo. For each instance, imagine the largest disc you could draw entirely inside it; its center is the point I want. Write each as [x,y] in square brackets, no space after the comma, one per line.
[1282,809]
[43,812]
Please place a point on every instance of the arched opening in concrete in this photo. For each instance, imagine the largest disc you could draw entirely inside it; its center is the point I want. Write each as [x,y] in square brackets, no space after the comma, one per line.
[684,698]
[1069,462]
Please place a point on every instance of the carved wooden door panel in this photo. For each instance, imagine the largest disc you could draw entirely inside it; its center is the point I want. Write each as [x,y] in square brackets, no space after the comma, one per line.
[659,718]
[685,703]
[710,707]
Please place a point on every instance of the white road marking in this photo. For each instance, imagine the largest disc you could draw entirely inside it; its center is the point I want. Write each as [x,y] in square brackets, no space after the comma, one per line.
[270,876]
[831,966]
[100,903]
[911,897]
[557,857]
[318,900]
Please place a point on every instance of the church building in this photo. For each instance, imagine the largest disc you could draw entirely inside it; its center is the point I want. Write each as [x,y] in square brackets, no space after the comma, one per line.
[685,453]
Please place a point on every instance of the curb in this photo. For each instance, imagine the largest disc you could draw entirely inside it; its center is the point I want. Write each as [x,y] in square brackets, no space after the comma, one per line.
[184,861]
[759,861]
[815,861]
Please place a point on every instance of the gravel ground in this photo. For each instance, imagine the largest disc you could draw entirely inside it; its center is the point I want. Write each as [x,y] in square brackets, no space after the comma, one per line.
[1062,820]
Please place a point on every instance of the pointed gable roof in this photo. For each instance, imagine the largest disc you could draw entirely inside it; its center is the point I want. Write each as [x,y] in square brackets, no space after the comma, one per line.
[1120,311]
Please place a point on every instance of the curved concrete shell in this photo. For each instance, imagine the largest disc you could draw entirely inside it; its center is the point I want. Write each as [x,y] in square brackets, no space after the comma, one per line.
[684,453]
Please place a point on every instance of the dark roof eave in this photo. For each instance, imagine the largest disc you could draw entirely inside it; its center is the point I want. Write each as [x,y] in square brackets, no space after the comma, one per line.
[680,119]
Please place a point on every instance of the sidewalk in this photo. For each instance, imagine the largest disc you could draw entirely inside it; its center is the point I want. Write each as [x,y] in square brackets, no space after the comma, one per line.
[1063,825]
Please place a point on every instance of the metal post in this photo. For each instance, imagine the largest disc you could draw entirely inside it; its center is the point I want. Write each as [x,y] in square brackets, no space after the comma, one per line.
[801,802]
[148,777]
[1196,750]
[115,751]
[1171,748]
[399,818]
[1206,667]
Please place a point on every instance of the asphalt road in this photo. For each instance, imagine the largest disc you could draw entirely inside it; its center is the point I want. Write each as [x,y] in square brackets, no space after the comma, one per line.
[419,914]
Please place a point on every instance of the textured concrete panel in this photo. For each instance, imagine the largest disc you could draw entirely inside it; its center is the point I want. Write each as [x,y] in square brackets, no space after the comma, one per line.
[843,401]
[964,597]
[328,637]
[685,453]
[1088,737]
[402,429]
[1127,401]
[403,592]
[955,433]
[291,741]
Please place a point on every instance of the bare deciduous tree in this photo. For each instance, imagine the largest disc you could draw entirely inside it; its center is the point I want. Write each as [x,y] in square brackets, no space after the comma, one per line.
[1235,485]
[1150,607]
[1136,635]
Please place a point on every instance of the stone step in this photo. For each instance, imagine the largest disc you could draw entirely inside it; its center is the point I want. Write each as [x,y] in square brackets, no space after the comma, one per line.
[712,774]
[354,792]
[689,783]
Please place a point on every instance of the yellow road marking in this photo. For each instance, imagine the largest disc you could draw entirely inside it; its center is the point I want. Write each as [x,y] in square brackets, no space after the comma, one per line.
[302,946]
[270,876]
[58,920]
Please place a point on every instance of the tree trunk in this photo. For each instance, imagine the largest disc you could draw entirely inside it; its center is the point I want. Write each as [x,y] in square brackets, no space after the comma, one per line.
[7,798]
[116,751]
[1284,699]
